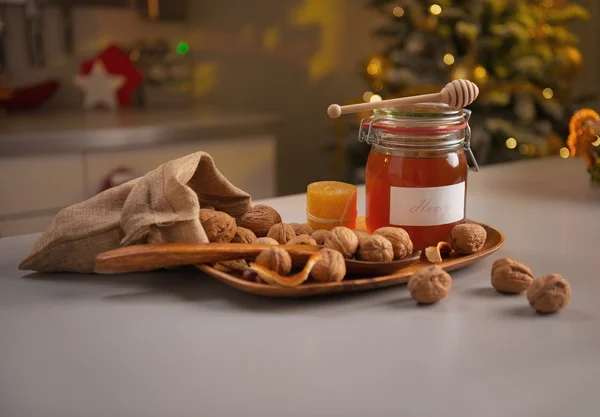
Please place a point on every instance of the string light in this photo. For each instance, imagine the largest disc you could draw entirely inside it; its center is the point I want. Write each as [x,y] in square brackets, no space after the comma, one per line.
[367,96]
[596,142]
[374,66]
[377,85]
[524,149]
[375,97]
[435,9]
[480,73]
[398,11]
[511,143]
[183,48]
[448,59]
[564,153]
[548,93]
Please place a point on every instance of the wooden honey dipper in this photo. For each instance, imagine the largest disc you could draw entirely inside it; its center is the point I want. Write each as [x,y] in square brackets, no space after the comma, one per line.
[456,94]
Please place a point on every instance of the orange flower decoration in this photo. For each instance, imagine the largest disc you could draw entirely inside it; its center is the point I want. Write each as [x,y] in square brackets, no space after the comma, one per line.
[582,134]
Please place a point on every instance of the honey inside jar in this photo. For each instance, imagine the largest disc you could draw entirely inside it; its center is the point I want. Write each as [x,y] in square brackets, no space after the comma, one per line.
[416,173]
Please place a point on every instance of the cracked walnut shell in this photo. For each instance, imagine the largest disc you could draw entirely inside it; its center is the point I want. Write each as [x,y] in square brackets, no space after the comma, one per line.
[549,294]
[282,233]
[330,268]
[218,226]
[343,240]
[435,254]
[399,238]
[467,238]
[375,248]
[430,284]
[275,259]
[509,276]
[260,219]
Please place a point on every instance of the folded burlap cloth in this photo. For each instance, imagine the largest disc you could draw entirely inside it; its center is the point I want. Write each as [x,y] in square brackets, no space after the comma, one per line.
[162,206]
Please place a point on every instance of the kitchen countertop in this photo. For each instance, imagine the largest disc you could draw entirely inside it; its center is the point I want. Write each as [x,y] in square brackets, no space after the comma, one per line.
[176,343]
[73,131]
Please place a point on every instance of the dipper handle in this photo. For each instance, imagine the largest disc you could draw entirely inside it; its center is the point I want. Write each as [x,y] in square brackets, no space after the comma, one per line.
[457,94]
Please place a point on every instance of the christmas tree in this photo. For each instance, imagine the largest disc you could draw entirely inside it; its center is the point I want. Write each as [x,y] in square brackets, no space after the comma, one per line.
[519,52]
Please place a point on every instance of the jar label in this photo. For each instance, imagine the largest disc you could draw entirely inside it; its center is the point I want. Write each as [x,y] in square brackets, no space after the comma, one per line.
[431,206]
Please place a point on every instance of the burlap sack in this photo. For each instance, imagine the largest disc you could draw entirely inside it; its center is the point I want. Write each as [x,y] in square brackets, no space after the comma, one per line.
[162,206]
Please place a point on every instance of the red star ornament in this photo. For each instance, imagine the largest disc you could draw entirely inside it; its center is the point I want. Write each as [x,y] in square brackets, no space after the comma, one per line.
[117,62]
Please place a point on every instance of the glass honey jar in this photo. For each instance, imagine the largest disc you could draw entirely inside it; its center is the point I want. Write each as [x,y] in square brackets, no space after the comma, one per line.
[416,173]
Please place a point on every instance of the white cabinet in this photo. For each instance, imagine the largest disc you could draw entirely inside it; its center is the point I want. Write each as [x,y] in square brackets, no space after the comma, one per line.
[247,162]
[39,183]
[34,188]
[25,225]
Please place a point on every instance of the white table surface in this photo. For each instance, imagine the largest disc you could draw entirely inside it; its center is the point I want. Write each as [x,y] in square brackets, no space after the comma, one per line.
[180,344]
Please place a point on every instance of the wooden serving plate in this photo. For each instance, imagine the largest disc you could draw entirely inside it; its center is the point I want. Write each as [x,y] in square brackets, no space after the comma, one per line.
[495,240]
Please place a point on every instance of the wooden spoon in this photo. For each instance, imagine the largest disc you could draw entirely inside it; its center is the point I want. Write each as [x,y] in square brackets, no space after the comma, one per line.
[151,257]
[456,94]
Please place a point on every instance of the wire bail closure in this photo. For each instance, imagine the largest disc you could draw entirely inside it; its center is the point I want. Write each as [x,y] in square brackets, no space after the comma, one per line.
[468,151]
[371,138]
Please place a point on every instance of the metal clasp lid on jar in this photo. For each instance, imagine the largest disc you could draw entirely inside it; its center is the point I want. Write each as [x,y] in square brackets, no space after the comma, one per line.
[372,136]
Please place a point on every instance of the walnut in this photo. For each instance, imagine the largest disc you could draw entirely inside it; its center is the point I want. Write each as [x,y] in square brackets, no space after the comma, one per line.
[435,254]
[205,214]
[276,259]
[343,240]
[510,276]
[266,241]
[375,248]
[219,226]
[302,240]
[429,284]
[467,238]
[302,229]
[361,234]
[319,236]
[260,219]
[331,267]
[235,265]
[243,235]
[282,233]
[400,239]
[549,293]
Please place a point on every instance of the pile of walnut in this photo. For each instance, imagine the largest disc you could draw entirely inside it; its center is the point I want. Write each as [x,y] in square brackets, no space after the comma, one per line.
[263,225]
[547,294]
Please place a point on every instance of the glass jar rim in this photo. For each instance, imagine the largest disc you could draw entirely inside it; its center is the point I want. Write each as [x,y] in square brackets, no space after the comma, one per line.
[418,119]
[421,111]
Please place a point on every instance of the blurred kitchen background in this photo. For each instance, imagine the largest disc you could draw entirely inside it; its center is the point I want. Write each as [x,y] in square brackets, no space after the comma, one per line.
[250,82]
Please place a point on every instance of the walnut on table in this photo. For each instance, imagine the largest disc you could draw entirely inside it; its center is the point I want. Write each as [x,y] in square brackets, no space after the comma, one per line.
[430,284]
[510,276]
[549,294]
